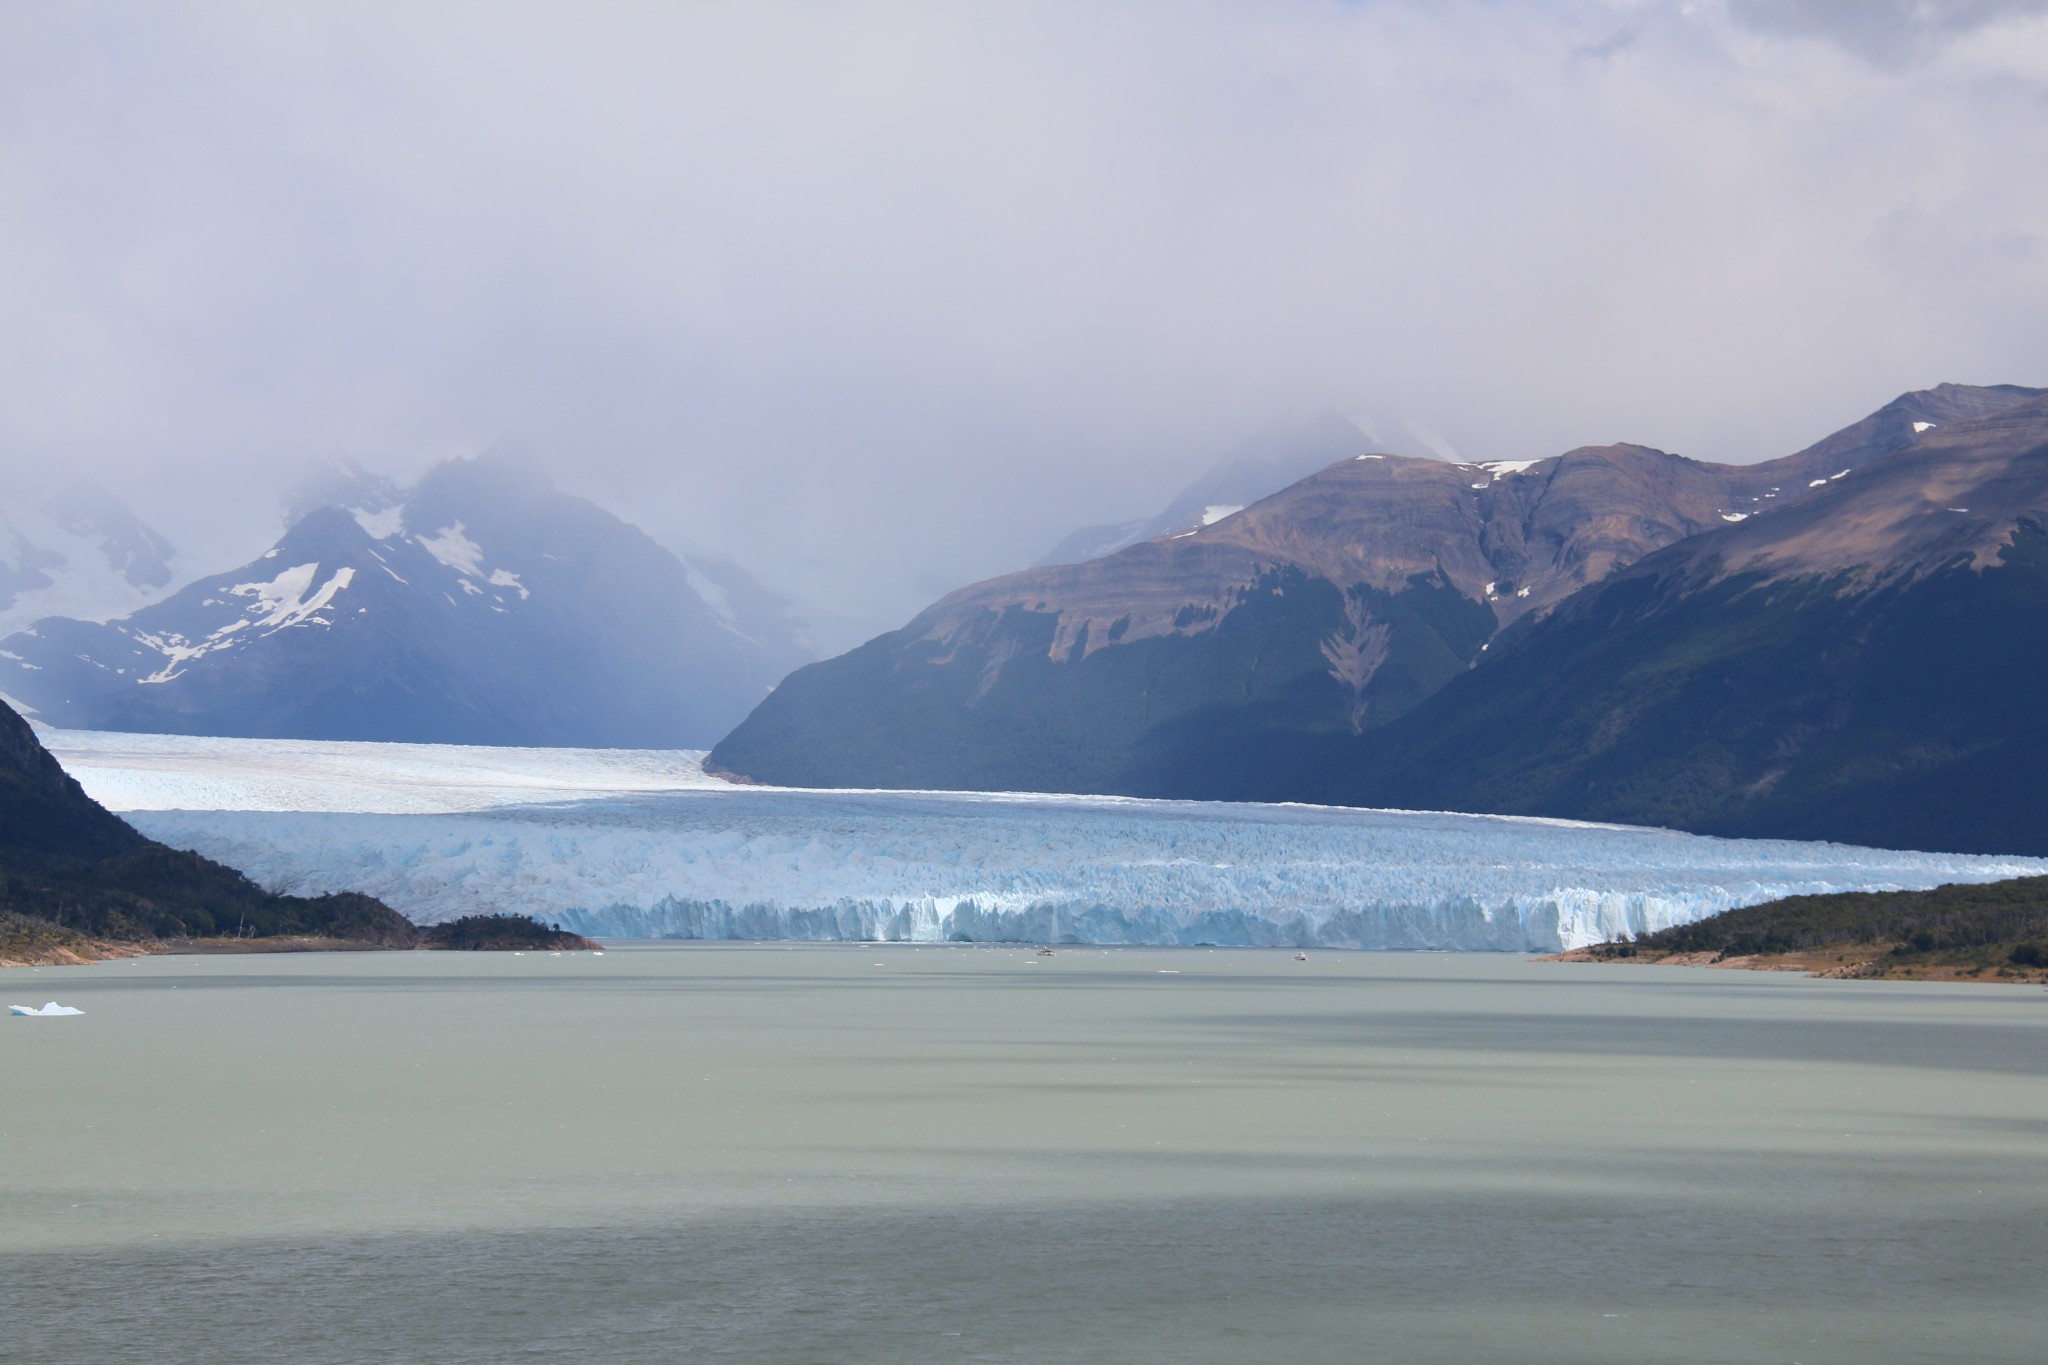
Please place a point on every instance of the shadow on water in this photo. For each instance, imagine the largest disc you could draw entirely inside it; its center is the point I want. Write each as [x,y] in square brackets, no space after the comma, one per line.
[1944,1045]
[1523,1279]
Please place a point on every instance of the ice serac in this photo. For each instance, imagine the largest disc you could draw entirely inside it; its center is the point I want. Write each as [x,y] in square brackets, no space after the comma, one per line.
[1224,660]
[706,860]
[481,605]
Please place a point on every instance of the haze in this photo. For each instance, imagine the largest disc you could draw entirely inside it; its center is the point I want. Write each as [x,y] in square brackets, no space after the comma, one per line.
[879,299]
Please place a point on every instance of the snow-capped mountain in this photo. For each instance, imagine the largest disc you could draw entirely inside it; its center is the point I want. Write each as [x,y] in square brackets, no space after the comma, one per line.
[81,553]
[485,607]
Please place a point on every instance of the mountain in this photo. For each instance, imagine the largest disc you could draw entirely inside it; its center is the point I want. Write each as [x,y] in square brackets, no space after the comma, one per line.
[1865,665]
[1222,660]
[1259,468]
[72,870]
[80,553]
[483,607]
[44,813]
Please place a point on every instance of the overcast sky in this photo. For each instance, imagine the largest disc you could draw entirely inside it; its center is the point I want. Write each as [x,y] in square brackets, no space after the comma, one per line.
[883,298]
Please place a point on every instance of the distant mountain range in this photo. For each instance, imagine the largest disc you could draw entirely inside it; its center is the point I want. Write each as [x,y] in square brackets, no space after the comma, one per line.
[480,606]
[81,553]
[1281,455]
[1615,632]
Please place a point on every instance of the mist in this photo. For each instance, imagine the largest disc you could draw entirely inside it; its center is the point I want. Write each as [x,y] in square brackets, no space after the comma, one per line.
[881,299]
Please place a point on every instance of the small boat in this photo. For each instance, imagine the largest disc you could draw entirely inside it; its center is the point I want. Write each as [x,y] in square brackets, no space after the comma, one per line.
[1301,957]
[1045,952]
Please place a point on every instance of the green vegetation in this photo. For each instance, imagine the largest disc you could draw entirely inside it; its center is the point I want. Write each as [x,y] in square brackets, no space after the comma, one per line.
[1951,930]
[156,893]
[77,882]
[1898,716]
[26,939]
[487,932]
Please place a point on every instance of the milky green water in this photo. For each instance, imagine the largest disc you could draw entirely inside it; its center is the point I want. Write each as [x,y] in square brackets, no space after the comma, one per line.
[853,1153]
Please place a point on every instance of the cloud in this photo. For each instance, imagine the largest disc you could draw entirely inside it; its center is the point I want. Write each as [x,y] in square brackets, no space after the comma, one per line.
[881,296]
[1884,30]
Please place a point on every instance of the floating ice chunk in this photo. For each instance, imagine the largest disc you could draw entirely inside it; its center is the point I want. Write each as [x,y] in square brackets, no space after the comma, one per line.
[49,1011]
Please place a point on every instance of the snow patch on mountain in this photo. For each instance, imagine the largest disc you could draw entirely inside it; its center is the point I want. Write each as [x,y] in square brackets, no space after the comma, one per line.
[454,548]
[281,603]
[709,591]
[82,555]
[381,524]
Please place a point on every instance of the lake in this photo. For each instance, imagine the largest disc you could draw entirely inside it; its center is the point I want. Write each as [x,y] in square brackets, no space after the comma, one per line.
[862,1152]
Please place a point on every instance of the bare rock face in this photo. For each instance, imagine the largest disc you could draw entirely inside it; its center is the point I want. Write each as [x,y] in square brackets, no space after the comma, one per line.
[1864,664]
[1328,609]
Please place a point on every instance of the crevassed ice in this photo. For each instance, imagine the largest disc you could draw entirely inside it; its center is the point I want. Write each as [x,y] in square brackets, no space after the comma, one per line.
[711,860]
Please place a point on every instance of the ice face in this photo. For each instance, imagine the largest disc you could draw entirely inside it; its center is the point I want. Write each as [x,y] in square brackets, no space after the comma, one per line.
[654,848]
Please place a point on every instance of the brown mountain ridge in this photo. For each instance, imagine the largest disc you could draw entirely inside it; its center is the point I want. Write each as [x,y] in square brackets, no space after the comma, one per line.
[1208,662]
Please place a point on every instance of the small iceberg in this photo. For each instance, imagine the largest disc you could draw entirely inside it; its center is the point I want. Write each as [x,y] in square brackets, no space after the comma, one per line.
[48,1011]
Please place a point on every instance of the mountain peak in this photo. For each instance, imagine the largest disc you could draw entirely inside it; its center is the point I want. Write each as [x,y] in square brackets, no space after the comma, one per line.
[479,606]
[1284,453]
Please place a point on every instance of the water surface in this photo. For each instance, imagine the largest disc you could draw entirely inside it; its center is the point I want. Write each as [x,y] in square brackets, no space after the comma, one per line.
[884,1153]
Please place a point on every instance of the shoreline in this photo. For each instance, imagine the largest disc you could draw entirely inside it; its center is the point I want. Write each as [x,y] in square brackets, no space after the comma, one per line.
[83,952]
[1863,962]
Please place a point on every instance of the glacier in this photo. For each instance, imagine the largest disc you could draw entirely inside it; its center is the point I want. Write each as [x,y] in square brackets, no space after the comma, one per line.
[645,844]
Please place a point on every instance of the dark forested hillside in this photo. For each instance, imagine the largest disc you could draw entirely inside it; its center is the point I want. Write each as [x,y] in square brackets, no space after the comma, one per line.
[69,865]
[1867,668]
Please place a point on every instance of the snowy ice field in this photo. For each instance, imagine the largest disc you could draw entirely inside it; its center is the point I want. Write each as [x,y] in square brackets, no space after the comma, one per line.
[642,843]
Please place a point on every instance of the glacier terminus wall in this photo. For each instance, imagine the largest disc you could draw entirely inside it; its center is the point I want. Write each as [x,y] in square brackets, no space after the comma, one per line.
[641,844]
